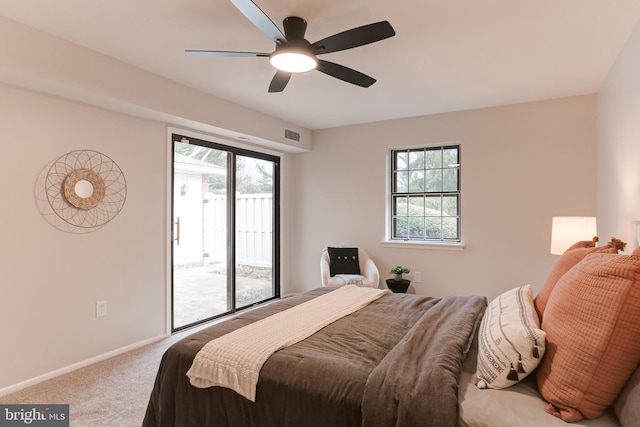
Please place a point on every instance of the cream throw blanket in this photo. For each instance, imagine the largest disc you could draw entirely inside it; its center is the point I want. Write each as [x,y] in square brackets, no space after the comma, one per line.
[235,359]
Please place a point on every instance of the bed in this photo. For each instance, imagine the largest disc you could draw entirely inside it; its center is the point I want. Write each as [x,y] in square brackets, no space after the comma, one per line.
[396,361]
[411,360]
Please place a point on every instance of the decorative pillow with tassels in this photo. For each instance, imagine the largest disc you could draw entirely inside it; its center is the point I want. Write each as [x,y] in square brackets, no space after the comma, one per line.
[510,341]
[571,257]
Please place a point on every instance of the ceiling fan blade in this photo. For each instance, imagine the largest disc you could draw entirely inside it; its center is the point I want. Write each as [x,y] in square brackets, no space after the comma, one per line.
[345,73]
[260,19]
[279,81]
[224,53]
[354,37]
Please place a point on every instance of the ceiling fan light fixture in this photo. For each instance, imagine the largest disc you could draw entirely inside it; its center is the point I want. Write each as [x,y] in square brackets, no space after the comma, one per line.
[293,60]
[294,54]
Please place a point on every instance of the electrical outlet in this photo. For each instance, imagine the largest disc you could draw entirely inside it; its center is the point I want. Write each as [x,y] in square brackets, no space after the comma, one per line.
[101,308]
[417,277]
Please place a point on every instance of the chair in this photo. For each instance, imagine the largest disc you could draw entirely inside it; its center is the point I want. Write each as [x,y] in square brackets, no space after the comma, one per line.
[369,275]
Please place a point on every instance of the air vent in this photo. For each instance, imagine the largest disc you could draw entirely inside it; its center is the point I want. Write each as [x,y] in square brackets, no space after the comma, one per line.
[289,134]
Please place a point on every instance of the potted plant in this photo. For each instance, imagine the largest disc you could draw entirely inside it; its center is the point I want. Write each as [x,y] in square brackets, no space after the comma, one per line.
[398,271]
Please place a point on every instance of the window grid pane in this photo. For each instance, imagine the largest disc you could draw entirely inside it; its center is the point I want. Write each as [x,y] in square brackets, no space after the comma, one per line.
[400,228]
[434,227]
[426,194]
[416,160]
[416,181]
[450,179]
[401,182]
[401,160]
[434,158]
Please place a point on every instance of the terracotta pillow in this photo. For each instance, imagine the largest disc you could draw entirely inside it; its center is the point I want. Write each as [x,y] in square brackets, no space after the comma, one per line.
[569,258]
[592,322]
[584,244]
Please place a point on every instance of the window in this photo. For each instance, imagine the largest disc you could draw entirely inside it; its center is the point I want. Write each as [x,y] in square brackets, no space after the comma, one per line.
[425,194]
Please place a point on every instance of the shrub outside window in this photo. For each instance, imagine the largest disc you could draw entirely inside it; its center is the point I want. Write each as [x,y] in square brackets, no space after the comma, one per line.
[425,194]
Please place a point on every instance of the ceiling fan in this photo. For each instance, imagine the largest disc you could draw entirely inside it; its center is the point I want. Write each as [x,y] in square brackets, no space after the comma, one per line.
[294,54]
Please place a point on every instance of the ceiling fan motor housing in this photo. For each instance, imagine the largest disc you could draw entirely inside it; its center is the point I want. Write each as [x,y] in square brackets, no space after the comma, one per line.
[294,29]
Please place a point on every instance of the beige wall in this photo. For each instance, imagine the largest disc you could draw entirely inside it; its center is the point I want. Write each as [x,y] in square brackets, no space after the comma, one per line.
[619,145]
[521,165]
[52,279]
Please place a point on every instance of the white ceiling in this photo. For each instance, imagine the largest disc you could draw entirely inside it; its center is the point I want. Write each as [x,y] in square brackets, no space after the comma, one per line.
[447,55]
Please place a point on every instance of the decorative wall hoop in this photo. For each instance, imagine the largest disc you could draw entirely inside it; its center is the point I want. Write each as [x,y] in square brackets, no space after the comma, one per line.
[85,189]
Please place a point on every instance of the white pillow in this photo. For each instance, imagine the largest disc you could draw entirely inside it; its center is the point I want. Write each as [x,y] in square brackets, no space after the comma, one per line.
[351,279]
[510,341]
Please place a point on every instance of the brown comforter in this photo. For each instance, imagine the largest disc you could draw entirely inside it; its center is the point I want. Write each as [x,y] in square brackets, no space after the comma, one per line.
[396,362]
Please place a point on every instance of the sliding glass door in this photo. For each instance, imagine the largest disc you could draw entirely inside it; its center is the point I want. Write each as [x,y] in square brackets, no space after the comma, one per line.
[225,250]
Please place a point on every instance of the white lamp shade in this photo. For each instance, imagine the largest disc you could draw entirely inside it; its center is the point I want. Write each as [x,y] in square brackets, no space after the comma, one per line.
[635,233]
[567,230]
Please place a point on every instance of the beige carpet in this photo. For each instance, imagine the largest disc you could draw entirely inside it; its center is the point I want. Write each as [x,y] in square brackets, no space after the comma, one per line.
[113,392]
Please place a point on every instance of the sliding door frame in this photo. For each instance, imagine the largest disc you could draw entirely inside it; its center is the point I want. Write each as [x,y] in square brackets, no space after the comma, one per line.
[233,149]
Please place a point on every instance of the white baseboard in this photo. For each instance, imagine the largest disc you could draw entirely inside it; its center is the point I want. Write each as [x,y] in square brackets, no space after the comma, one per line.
[33,381]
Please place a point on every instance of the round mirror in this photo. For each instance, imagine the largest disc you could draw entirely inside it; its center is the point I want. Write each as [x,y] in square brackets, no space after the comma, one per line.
[83,189]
